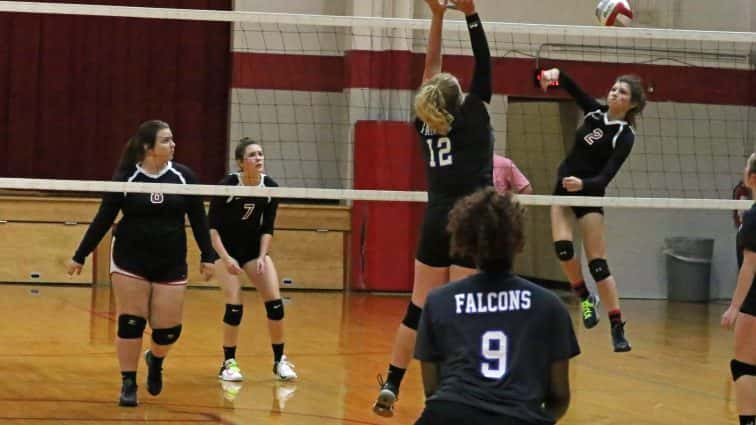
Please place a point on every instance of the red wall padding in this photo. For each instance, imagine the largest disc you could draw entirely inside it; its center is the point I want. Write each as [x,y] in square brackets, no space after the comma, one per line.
[384,234]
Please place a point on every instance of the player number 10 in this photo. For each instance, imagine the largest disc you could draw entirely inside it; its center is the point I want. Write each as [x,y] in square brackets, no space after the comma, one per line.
[494,350]
[443,145]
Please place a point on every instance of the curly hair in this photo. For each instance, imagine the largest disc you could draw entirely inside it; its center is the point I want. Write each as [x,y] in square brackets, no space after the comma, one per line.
[487,227]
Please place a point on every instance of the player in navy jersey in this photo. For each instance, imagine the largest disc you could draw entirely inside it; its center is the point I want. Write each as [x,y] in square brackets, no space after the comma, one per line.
[148,267]
[241,229]
[494,347]
[602,143]
[741,313]
[457,141]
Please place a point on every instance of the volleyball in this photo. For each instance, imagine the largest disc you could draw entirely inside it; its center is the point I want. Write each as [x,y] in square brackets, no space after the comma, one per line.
[614,13]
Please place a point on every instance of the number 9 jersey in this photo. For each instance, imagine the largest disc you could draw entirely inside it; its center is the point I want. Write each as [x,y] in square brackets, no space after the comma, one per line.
[495,336]
[462,161]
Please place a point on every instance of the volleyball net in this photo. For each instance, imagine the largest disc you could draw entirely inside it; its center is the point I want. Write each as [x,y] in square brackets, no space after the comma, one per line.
[303,85]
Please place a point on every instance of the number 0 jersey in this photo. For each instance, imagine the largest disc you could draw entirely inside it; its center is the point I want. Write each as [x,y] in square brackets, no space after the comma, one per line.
[240,221]
[495,336]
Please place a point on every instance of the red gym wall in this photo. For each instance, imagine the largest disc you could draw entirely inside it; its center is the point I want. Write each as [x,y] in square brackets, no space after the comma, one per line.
[73,89]
[384,234]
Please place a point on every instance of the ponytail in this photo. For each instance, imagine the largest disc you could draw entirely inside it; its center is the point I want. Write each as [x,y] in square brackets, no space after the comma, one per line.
[436,98]
[144,139]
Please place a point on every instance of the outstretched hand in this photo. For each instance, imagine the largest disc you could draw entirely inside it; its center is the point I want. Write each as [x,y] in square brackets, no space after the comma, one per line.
[438,7]
[465,6]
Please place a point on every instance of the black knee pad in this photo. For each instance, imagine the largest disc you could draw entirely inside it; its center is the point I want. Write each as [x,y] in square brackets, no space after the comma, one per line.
[599,269]
[412,317]
[166,336]
[739,369]
[564,250]
[234,313]
[274,309]
[131,327]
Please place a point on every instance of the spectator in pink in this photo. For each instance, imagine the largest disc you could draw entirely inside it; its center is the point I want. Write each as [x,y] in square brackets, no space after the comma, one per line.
[507,177]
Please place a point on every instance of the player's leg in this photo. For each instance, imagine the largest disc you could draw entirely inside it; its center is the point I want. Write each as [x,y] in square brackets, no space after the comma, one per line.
[166,310]
[132,304]
[267,287]
[592,229]
[744,368]
[231,289]
[426,278]
[431,269]
[569,259]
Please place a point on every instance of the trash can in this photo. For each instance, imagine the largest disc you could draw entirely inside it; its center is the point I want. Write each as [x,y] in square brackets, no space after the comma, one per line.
[688,268]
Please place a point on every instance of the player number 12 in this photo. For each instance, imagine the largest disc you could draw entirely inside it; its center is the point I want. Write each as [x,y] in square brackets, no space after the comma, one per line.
[443,145]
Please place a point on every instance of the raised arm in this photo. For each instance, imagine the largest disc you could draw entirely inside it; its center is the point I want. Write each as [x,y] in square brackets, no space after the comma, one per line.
[433,59]
[586,102]
[481,81]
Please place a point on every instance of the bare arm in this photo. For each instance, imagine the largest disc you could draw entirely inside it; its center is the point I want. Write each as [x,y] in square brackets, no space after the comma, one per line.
[433,59]
[430,372]
[745,280]
[558,398]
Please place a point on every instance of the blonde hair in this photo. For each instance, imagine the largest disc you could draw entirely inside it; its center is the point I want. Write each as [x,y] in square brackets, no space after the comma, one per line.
[436,97]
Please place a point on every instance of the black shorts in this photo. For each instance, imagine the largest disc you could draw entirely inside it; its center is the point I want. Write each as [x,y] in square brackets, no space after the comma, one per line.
[244,256]
[579,211]
[749,304]
[147,267]
[433,246]
[450,413]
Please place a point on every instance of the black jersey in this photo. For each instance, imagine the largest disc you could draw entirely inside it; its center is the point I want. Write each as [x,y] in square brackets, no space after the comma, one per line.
[152,227]
[495,336]
[240,221]
[746,239]
[601,145]
[461,162]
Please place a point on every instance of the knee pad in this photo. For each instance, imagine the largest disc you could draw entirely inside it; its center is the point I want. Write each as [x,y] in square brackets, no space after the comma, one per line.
[599,269]
[412,317]
[274,309]
[233,314]
[564,250]
[739,369]
[131,327]
[166,336]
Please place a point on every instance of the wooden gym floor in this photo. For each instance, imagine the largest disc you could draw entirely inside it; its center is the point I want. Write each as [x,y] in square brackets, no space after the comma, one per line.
[57,363]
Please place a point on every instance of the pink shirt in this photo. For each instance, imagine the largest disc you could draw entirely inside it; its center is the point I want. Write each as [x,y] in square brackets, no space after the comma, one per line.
[506,175]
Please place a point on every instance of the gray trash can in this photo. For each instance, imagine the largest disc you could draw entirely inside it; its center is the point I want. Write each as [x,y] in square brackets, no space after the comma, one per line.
[688,268]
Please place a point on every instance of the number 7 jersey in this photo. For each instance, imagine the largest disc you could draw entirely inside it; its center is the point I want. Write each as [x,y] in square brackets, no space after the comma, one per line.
[462,161]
